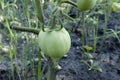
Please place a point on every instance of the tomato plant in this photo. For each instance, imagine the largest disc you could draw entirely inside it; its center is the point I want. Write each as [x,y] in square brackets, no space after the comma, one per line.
[116,7]
[85,5]
[54,43]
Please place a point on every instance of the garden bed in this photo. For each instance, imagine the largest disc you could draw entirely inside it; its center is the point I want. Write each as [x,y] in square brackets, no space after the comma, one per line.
[19,51]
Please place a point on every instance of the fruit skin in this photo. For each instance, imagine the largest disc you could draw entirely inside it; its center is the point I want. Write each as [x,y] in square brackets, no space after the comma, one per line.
[54,43]
[84,5]
[114,0]
[116,7]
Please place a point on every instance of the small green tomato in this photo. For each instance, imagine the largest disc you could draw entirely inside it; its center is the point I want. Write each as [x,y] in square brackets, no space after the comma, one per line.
[116,7]
[54,43]
[84,5]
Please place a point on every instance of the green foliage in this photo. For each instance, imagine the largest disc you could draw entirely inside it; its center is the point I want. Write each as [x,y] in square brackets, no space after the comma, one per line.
[30,16]
[92,65]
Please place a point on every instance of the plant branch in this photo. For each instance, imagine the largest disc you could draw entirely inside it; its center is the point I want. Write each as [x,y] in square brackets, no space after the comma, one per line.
[25,29]
[51,70]
[67,16]
[39,11]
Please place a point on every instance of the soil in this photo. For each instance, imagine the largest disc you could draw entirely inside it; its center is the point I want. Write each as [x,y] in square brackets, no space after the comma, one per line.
[108,57]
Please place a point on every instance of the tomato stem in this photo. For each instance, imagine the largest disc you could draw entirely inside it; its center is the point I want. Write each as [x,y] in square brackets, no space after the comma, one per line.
[67,16]
[51,70]
[107,15]
[83,29]
[39,11]
[39,66]
[26,29]
[53,22]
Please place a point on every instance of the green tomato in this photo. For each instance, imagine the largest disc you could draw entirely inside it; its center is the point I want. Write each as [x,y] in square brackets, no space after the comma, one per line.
[84,5]
[114,0]
[116,7]
[100,1]
[55,43]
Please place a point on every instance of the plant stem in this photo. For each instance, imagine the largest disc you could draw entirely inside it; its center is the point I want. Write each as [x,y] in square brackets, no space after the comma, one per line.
[83,29]
[69,2]
[25,29]
[39,11]
[95,35]
[108,35]
[39,66]
[51,70]
[25,4]
[67,16]
[107,15]
[53,22]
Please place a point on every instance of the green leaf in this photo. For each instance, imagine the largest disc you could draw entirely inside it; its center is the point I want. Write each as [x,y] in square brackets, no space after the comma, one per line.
[88,48]
[115,34]
[85,62]
[89,55]
[95,67]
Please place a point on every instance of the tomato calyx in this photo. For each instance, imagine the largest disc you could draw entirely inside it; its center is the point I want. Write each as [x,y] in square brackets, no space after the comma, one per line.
[50,30]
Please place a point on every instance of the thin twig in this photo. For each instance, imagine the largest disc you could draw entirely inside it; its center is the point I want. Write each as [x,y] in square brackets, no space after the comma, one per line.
[26,29]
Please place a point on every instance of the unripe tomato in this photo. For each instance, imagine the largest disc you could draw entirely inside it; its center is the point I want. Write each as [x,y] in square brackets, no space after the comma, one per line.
[55,43]
[114,0]
[116,7]
[85,5]
[100,1]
